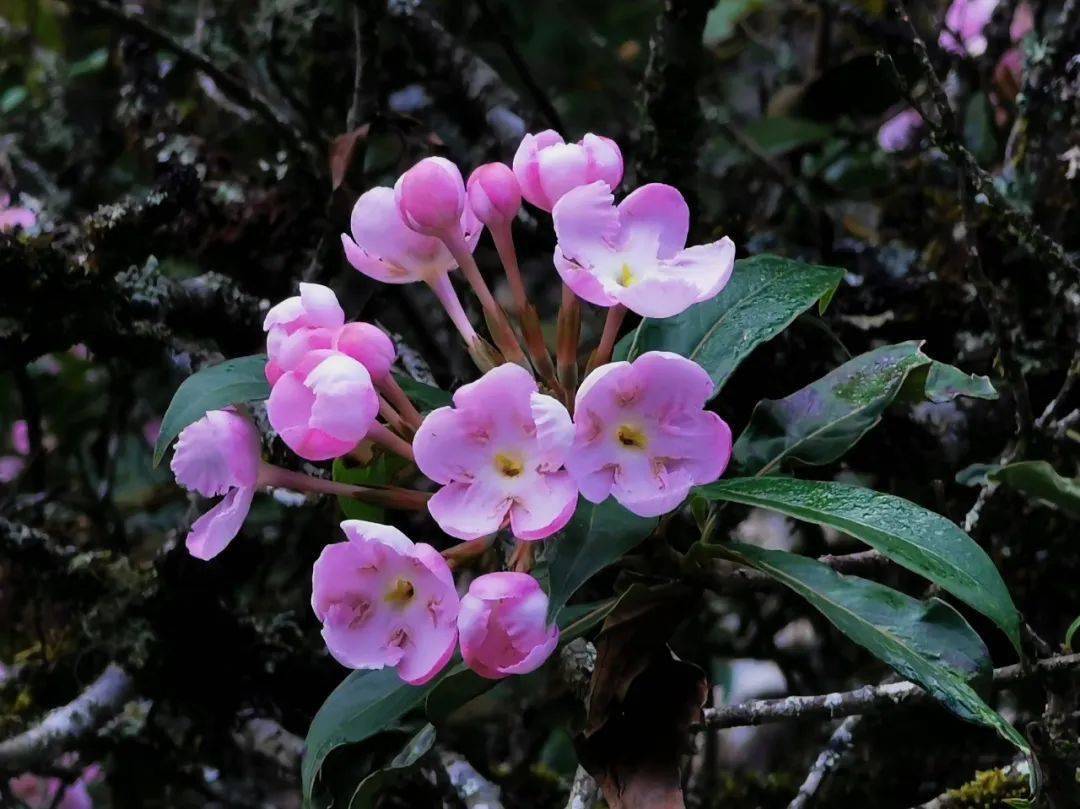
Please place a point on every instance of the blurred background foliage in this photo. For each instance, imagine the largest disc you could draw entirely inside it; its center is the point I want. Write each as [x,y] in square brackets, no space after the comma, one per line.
[171,209]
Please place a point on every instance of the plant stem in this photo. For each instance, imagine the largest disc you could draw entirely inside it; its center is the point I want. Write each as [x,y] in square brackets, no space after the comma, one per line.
[612,323]
[568,336]
[381,435]
[387,497]
[400,400]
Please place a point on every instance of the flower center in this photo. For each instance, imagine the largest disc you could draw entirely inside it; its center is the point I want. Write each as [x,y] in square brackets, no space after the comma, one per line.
[633,437]
[401,593]
[509,465]
[626,276]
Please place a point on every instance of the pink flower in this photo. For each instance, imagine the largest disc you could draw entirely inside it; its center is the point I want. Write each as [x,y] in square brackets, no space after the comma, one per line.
[324,407]
[383,247]
[1023,22]
[431,196]
[11,466]
[39,792]
[313,321]
[635,254]
[12,218]
[494,194]
[385,601]
[498,451]
[897,133]
[20,437]
[641,433]
[369,345]
[218,454]
[300,324]
[547,167]
[965,22]
[503,625]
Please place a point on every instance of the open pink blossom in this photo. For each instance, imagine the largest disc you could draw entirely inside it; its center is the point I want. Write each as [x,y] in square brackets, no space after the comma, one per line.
[300,324]
[635,254]
[325,406]
[642,435]
[14,217]
[385,601]
[430,196]
[498,452]
[898,132]
[218,455]
[965,23]
[503,625]
[547,167]
[384,247]
[494,194]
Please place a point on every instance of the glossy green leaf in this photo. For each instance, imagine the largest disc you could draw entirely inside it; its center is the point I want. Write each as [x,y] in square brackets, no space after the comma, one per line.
[403,763]
[1039,480]
[920,540]
[927,642]
[365,703]
[764,295]
[819,423]
[227,383]
[596,536]
[426,397]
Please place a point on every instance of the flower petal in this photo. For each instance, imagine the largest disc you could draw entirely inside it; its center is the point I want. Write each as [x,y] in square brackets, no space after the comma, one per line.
[215,529]
[655,214]
[469,510]
[544,508]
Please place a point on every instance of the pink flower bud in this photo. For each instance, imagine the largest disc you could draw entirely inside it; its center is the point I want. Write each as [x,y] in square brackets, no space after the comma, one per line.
[431,196]
[494,195]
[546,167]
[218,454]
[385,601]
[324,407]
[368,345]
[503,626]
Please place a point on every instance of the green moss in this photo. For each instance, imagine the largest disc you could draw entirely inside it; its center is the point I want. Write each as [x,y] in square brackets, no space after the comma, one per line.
[987,790]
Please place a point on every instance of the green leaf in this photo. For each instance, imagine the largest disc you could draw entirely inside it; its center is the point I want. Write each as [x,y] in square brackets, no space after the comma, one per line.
[365,703]
[765,294]
[1070,632]
[403,763]
[920,540]
[12,97]
[819,423]
[595,537]
[779,135]
[980,132]
[426,397]
[927,642]
[379,472]
[227,383]
[1039,480]
[945,383]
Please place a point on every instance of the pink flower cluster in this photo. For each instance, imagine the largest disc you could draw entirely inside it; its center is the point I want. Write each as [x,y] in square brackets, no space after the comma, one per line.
[518,448]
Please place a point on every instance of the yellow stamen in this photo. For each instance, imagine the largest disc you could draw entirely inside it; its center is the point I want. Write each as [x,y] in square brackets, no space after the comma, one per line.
[509,465]
[401,593]
[626,275]
[633,437]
